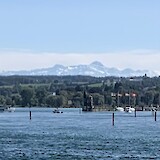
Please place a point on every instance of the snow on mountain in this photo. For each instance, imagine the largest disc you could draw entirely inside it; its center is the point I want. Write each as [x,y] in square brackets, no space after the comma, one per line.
[96,69]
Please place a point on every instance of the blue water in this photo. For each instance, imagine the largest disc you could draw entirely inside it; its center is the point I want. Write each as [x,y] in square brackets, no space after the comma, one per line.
[78,136]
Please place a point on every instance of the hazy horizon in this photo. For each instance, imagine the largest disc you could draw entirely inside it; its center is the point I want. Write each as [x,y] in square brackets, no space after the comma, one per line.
[39,34]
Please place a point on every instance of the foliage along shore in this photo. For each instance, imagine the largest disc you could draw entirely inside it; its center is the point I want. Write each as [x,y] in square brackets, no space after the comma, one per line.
[68,91]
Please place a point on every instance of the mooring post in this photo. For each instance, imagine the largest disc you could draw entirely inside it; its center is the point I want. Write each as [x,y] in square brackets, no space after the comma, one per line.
[153,112]
[135,113]
[80,111]
[113,119]
[155,116]
[30,115]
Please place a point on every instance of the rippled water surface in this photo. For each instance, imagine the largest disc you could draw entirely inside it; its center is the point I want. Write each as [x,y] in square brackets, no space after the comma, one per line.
[76,135]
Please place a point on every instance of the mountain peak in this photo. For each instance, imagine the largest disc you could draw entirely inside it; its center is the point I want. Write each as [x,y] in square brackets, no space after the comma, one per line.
[58,66]
[96,69]
[97,63]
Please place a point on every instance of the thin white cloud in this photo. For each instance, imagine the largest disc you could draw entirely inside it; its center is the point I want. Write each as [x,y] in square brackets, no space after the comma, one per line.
[27,60]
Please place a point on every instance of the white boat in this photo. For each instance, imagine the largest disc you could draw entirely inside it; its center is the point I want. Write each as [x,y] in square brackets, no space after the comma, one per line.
[129,109]
[57,111]
[121,109]
[6,109]
[10,109]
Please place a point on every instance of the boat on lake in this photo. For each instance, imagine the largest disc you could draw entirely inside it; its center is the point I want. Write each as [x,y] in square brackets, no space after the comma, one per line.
[6,109]
[10,109]
[57,111]
[120,109]
[129,109]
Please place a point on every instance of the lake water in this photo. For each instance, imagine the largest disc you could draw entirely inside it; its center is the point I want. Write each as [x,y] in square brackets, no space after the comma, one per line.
[73,135]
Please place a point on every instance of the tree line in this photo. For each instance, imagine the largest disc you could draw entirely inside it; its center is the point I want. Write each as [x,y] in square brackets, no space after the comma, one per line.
[68,91]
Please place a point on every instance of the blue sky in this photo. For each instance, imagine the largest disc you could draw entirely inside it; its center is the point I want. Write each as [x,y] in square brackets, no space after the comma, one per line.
[103,30]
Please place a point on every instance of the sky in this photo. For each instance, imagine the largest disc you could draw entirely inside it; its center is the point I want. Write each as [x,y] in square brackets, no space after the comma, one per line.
[42,33]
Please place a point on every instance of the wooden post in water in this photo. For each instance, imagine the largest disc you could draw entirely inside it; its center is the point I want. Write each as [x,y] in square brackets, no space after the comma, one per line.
[135,113]
[80,111]
[30,115]
[113,119]
[155,116]
[153,112]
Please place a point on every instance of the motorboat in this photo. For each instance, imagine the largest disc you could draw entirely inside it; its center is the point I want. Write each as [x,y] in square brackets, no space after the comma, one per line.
[6,109]
[129,109]
[57,111]
[120,109]
[10,109]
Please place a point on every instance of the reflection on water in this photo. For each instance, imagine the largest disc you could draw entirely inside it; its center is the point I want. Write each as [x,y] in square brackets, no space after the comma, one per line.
[78,135]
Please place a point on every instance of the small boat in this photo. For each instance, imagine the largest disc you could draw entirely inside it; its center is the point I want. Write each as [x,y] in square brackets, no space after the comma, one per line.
[120,109]
[129,109]
[57,111]
[10,109]
[6,109]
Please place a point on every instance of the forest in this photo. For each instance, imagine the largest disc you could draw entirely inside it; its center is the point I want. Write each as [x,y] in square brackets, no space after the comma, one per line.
[68,91]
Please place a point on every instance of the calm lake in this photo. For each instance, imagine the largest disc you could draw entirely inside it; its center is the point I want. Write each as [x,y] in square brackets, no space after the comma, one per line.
[76,135]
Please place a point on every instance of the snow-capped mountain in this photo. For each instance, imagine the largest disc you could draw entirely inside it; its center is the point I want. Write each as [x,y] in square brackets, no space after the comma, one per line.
[96,69]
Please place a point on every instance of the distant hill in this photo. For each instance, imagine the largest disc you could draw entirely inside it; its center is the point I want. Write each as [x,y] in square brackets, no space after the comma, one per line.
[96,69]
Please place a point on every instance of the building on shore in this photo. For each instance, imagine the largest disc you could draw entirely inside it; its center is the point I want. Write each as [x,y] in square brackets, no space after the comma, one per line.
[87,102]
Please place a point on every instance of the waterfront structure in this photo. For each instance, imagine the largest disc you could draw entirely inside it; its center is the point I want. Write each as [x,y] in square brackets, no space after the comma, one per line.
[87,102]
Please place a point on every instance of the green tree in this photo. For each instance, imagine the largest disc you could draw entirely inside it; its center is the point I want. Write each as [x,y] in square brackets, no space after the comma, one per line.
[149,97]
[41,94]
[98,99]
[2,100]
[55,101]
[16,99]
[8,101]
[27,96]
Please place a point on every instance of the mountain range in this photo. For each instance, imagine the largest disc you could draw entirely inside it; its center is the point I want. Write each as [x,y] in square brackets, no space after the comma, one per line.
[96,69]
